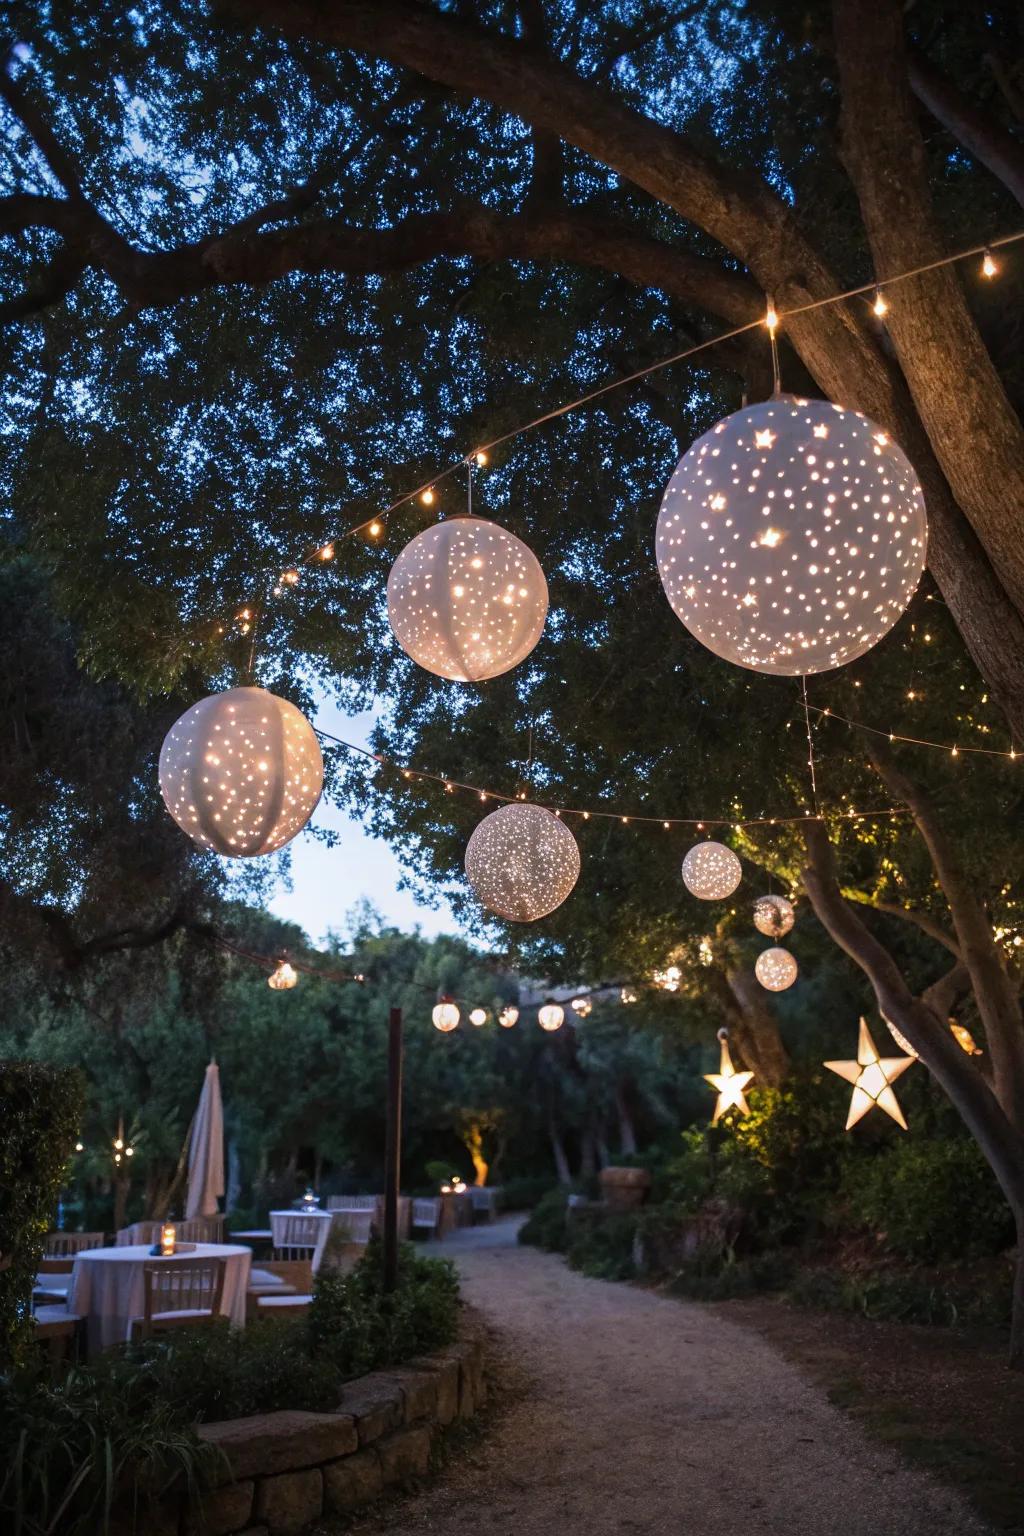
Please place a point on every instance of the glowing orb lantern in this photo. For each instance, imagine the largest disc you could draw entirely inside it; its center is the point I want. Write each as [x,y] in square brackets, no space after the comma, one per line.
[775,969]
[792,536]
[522,862]
[241,772]
[773,916]
[508,1017]
[478,1016]
[582,1006]
[711,871]
[445,1015]
[283,977]
[550,1017]
[467,600]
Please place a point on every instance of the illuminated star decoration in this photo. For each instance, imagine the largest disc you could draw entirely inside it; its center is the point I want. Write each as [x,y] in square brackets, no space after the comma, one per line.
[730,1085]
[871,1076]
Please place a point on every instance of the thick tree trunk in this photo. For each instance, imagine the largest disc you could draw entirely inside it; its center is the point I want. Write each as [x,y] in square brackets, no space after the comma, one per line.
[757,1029]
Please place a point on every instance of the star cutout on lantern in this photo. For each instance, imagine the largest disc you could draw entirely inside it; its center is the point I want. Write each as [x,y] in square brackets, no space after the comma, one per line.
[764,439]
[730,1085]
[821,430]
[871,1076]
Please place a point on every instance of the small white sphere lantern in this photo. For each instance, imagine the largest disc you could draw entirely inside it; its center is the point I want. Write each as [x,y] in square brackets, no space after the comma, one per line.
[467,600]
[773,916]
[508,1016]
[711,871]
[241,772]
[445,1016]
[792,536]
[550,1017]
[478,1017]
[522,862]
[775,969]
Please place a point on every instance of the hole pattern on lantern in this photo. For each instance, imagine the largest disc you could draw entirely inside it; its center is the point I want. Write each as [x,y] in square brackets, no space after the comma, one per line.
[792,536]
[467,600]
[241,772]
[522,862]
[711,871]
[773,916]
[775,969]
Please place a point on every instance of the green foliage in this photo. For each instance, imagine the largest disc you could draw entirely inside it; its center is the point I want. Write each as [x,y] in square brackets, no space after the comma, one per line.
[907,1297]
[601,1244]
[545,1227]
[355,1325]
[524,1192]
[932,1201]
[716,1274]
[42,1110]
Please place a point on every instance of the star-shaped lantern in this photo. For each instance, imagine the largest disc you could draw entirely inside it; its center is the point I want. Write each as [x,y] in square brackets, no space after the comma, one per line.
[872,1076]
[729,1083]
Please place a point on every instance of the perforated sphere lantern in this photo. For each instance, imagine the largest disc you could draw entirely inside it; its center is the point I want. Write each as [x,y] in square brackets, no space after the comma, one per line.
[773,915]
[467,600]
[241,772]
[522,862]
[775,969]
[550,1017]
[792,536]
[711,871]
[446,1016]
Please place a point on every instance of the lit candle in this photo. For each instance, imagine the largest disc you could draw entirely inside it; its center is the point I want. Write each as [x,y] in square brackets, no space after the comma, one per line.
[167,1237]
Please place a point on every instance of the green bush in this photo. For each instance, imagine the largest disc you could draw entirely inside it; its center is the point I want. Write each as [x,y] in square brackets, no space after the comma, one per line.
[932,1201]
[524,1193]
[716,1274]
[546,1225]
[601,1244]
[906,1298]
[42,1108]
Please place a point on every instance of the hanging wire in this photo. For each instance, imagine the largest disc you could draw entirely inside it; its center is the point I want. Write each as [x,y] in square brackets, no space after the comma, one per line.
[810,747]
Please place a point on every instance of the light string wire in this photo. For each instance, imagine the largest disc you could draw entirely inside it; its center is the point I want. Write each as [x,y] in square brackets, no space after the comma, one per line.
[872,288]
[594,813]
[810,747]
[954,750]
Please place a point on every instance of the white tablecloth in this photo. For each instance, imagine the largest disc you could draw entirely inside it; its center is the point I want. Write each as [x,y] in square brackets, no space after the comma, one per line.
[107,1287]
[356,1223]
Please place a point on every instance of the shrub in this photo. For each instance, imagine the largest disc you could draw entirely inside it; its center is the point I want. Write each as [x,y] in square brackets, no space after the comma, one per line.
[42,1108]
[906,1298]
[354,1325]
[716,1274]
[524,1193]
[932,1201]
[601,1244]
[546,1226]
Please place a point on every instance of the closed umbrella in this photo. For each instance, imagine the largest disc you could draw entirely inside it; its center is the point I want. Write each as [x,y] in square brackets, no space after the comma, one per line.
[206,1149]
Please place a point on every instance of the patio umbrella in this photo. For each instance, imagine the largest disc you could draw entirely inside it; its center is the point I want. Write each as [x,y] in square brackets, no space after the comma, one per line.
[206,1149]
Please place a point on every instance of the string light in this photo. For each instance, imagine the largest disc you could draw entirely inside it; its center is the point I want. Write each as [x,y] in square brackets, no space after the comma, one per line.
[478,1016]
[550,1017]
[508,1016]
[427,497]
[283,977]
[375,530]
[989,265]
[880,307]
[771,318]
[445,1015]
[327,552]
[290,577]
[953,750]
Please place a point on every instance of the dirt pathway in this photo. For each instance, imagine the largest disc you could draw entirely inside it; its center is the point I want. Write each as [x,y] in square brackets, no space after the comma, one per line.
[645,1415]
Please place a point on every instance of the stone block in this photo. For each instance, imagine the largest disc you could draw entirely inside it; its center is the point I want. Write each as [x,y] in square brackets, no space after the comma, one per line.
[375,1404]
[404,1454]
[351,1482]
[280,1442]
[221,1510]
[419,1391]
[290,1500]
[445,1370]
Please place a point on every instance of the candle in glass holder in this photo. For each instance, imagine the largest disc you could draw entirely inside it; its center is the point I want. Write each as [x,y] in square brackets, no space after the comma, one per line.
[167,1237]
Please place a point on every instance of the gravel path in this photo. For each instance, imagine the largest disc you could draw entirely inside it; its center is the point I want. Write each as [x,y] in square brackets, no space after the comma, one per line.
[634,1413]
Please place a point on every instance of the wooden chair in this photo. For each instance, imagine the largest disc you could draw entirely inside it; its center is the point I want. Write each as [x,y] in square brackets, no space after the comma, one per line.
[52,1281]
[59,1245]
[299,1237]
[180,1294]
[483,1202]
[293,1296]
[57,1328]
[281,1277]
[426,1216]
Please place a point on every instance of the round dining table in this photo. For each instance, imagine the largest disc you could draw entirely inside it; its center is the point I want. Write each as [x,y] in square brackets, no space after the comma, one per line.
[107,1286]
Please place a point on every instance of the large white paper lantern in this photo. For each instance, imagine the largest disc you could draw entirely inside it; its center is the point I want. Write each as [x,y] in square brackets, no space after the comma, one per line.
[445,1016]
[522,862]
[775,969]
[711,871]
[773,916]
[467,600]
[792,536]
[550,1017]
[241,772]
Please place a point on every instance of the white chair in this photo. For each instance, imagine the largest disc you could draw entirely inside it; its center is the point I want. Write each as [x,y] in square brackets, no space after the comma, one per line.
[180,1295]
[291,1296]
[484,1203]
[297,1237]
[195,1229]
[60,1245]
[426,1215]
[352,1202]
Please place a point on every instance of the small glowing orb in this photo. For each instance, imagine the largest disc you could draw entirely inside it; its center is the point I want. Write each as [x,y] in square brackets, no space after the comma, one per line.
[508,1016]
[773,916]
[478,1017]
[582,1006]
[792,536]
[522,862]
[446,1016]
[283,977]
[467,600]
[775,969]
[711,871]
[241,772]
[550,1017]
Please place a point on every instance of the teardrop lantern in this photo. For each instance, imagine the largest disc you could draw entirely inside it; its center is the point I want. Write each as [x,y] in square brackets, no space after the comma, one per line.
[522,862]
[467,600]
[241,772]
[792,536]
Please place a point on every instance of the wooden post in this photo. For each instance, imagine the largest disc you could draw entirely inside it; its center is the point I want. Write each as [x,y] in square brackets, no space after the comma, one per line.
[393,1149]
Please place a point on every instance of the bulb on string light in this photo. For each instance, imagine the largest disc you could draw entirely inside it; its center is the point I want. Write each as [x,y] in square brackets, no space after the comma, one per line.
[771,318]
[522,862]
[480,458]
[326,552]
[711,871]
[550,1017]
[445,1016]
[241,772]
[427,497]
[880,307]
[478,1016]
[773,916]
[375,529]
[791,536]
[581,1006]
[283,977]
[467,600]
[775,969]
[508,1016]
[290,577]
[989,265]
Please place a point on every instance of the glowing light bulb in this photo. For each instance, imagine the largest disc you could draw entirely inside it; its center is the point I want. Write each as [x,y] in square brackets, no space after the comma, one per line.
[327,552]
[427,497]
[290,577]
[478,1017]
[550,1017]
[375,529]
[480,458]
[989,265]
[880,307]
[445,1016]
[283,977]
[771,318]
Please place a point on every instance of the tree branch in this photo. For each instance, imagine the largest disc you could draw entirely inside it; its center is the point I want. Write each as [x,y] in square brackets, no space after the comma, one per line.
[38,129]
[982,136]
[921,920]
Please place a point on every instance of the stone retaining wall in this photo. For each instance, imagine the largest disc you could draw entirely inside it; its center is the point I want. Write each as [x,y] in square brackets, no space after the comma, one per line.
[284,1470]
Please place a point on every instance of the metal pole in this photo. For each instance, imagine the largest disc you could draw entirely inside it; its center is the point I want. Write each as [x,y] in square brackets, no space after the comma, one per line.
[393,1149]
